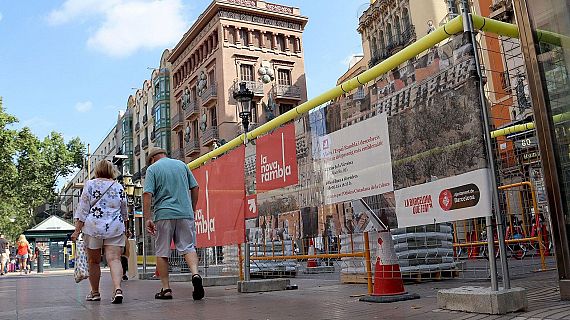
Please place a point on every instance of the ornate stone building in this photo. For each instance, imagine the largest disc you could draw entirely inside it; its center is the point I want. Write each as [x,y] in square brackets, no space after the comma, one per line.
[234,41]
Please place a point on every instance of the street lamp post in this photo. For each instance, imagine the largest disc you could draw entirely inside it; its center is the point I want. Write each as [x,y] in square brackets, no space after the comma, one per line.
[130,191]
[244,97]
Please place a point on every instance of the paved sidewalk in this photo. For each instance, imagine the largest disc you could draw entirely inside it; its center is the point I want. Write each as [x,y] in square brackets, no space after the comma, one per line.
[58,297]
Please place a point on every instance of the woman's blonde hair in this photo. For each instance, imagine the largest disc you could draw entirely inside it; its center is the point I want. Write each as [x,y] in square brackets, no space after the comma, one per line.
[105,169]
[22,239]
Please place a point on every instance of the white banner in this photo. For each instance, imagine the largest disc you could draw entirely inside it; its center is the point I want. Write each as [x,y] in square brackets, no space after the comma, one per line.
[357,161]
[455,198]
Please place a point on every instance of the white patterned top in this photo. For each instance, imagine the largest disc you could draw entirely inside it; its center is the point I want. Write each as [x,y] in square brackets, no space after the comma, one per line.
[106,219]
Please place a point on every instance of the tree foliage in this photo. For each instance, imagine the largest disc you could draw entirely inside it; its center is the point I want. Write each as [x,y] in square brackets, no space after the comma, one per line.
[29,171]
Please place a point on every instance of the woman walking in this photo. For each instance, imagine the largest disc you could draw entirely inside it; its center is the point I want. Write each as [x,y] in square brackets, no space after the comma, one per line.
[23,253]
[102,216]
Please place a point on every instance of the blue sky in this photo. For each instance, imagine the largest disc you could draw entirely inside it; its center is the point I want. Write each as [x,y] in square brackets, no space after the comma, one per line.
[70,65]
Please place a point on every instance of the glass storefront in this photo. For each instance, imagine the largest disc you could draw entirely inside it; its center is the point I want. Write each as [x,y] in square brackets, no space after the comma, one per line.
[554,64]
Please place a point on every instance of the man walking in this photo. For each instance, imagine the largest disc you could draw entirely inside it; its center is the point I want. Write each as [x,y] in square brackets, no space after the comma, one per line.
[4,256]
[166,186]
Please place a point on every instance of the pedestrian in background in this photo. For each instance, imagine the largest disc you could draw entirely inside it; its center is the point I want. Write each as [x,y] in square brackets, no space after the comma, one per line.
[23,253]
[125,260]
[4,254]
[102,217]
[167,186]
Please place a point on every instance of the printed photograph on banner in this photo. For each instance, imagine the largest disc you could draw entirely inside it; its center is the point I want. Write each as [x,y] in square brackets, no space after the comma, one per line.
[356,161]
[276,159]
[219,213]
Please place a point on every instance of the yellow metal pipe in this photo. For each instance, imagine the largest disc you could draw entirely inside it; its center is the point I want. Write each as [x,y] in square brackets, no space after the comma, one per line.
[310,256]
[527,126]
[452,27]
[367,262]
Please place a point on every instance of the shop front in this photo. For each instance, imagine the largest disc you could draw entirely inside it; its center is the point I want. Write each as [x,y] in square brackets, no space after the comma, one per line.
[51,236]
[547,67]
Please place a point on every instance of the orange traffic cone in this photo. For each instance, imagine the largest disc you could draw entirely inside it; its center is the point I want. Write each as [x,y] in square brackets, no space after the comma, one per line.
[311,262]
[388,284]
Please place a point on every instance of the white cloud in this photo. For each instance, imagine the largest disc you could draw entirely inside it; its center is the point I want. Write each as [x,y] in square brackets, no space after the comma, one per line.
[126,26]
[37,123]
[351,59]
[84,106]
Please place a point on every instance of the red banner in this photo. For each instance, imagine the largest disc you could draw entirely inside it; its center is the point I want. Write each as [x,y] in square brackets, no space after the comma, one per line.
[276,160]
[219,213]
[251,206]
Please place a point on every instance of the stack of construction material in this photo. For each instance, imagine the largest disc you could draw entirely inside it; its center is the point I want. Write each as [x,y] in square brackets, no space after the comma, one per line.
[421,250]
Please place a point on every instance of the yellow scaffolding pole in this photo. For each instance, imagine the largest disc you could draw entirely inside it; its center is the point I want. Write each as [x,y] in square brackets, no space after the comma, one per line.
[452,27]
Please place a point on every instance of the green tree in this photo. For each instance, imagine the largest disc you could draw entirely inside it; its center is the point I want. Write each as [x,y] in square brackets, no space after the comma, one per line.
[29,171]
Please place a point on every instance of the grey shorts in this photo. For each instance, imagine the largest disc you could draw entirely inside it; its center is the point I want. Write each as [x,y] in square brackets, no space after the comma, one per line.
[96,243]
[181,231]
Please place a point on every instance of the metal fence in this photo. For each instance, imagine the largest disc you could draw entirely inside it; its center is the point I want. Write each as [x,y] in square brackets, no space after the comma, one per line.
[299,233]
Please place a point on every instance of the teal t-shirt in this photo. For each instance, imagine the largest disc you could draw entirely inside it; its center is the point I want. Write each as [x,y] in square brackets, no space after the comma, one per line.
[169,181]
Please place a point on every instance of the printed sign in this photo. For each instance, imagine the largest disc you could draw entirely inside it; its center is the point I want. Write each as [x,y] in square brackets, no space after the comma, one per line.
[251,206]
[276,159]
[455,198]
[357,161]
[219,212]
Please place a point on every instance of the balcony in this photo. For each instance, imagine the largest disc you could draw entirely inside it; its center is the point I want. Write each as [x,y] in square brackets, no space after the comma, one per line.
[145,143]
[137,126]
[145,119]
[209,135]
[287,92]
[191,109]
[137,149]
[178,154]
[177,121]
[254,86]
[378,57]
[191,147]
[210,93]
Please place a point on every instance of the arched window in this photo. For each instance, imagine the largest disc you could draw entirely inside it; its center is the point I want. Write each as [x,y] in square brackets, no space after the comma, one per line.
[406,20]
[373,48]
[389,36]
[382,42]
[397,30]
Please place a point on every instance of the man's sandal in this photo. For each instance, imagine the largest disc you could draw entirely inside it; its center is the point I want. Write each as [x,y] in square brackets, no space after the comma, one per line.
[198,292]
[117,297]
[164,294]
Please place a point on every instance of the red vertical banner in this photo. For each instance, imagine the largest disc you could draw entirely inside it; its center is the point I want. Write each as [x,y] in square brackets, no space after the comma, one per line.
[276,159]
[251,206]
[219,213]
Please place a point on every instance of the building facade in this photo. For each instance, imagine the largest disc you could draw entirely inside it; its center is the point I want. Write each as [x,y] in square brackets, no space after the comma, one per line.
[231,42]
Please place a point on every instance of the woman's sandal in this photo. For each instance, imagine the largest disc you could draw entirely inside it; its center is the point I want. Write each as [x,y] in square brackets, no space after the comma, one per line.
[117,297]
[164,294]
[93,296]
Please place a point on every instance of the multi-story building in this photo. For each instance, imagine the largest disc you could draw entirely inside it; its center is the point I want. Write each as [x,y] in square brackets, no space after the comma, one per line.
[232,42]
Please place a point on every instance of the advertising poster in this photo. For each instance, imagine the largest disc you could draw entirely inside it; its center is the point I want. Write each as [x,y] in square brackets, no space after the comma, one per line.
[220,210]
[357,161]
[455,198]
[276,159]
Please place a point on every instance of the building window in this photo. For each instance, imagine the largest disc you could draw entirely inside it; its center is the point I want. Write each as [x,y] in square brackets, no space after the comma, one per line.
[244,36]
[212,77]
[213,117]
[281,42]
[284,108]
[254,115]
[195,130]
[246,72]
[284,77]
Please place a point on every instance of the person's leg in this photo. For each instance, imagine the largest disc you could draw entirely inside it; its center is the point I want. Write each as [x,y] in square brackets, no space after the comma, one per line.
[113,256]
[125,265]
[164,232]
[94,260]
[185,240]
